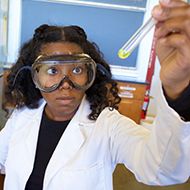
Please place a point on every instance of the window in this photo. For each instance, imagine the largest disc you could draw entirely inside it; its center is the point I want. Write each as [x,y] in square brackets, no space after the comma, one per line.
[109,23]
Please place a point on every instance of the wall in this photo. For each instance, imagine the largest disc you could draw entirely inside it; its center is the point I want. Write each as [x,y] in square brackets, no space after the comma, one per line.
[3,50]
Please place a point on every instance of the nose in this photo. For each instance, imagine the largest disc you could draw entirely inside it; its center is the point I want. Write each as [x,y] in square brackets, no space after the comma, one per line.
[66,84]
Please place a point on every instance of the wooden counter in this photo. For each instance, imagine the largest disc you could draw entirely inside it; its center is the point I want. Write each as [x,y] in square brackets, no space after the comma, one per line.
[132,95]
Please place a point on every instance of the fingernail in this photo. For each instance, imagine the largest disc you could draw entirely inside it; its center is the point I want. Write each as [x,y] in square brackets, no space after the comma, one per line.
[157,10]
[164,1]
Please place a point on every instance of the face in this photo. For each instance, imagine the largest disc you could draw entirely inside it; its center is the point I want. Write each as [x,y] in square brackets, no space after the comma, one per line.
[62,103]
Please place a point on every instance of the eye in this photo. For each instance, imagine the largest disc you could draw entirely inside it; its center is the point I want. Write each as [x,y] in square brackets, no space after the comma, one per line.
[77,70]
[52,71]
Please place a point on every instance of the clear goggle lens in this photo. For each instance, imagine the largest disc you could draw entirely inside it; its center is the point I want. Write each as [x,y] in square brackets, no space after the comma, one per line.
[50,71]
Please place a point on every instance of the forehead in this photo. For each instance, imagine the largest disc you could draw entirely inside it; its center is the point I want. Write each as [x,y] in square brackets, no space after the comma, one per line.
[57,48]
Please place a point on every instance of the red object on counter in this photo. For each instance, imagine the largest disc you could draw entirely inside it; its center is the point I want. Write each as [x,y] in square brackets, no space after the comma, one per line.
[150,73]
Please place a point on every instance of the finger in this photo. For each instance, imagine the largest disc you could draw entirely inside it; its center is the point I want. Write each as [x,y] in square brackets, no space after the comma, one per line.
[172,3]
[161,13]
[182,44]
[177,25]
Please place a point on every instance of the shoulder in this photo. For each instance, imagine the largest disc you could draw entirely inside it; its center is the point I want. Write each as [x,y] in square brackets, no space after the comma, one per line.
[25,113]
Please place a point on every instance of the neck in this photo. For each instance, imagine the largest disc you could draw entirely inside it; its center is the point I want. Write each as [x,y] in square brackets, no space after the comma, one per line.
[58,116]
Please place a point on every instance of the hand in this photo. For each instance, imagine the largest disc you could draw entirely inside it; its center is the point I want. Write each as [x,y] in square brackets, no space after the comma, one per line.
[173,45]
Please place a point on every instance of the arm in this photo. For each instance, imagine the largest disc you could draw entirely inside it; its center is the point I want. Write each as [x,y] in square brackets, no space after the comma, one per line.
[156,157]
[173,46]
[162,157]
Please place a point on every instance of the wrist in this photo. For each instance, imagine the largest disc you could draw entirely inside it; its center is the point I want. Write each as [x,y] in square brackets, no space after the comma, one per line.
[174,91]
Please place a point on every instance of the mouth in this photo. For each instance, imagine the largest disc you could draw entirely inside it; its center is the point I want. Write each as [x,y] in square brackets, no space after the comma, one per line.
[65,99]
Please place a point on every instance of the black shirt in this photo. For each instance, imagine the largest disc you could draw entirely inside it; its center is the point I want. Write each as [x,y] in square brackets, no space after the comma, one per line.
[182,104]
[49,135]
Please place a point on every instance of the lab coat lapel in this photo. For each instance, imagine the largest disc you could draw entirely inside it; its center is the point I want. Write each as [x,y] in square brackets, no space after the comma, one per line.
[31,137]
[32,129]
[70,142]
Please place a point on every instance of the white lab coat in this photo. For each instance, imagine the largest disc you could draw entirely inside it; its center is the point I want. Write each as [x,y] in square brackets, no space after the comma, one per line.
[88,151]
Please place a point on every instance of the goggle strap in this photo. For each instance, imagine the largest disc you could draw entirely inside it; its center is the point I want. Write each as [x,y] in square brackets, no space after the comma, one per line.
[104,71]
[25,67]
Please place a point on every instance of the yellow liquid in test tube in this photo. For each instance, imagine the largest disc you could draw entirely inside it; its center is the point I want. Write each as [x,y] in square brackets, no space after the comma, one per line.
[123,54]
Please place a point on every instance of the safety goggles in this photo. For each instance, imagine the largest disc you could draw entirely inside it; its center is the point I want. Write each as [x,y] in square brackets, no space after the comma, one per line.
[51,70]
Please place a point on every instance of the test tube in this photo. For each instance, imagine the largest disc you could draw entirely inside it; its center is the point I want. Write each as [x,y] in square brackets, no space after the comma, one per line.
[132,43]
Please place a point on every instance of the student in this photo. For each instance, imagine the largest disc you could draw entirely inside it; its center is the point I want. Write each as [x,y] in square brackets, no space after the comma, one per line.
[65,132]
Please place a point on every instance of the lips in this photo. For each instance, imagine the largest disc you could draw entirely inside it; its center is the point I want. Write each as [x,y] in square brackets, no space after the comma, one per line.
[65,98]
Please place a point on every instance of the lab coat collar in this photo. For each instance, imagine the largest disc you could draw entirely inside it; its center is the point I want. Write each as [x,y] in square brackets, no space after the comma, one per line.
[81,114]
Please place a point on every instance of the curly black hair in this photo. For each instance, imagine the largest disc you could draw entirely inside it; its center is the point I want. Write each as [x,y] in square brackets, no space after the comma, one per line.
[103,93]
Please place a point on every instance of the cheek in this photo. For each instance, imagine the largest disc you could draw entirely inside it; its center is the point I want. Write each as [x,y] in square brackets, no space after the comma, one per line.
[47,96]
[79,95]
